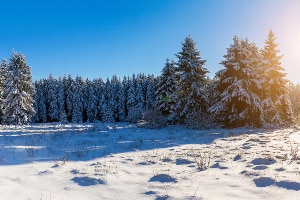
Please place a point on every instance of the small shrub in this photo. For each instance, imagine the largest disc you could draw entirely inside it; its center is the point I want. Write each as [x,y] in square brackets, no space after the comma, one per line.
[30,151]
[200,120]
[134,115]
[202,160]
[153,119]
[294,152]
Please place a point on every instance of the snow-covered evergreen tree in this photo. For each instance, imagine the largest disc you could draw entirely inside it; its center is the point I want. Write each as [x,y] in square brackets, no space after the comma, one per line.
[35,117]
[52,99]
[3,70]
[140,91]
[69,87]
[192,81]
[134,99]
[237,102]
[102,105]
[90,101]
[122,99]
[61,101]
[77,112]
[18,92]
[131,92]
[210,90]
[166,88]
[275,94]
[98,89]
[294,96]
[150,97]
[113,96]
[107,115]
[40,115]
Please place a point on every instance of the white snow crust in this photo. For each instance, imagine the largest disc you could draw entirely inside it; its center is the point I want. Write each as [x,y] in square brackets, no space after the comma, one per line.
[122,161]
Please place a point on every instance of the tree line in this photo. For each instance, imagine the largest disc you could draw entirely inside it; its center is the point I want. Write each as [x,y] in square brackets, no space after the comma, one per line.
[78,100]
[250,90]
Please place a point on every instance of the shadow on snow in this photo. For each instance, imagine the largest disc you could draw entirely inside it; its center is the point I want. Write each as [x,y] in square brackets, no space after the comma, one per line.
[267,181]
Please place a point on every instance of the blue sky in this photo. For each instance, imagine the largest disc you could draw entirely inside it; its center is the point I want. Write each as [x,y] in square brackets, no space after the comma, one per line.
[101,38]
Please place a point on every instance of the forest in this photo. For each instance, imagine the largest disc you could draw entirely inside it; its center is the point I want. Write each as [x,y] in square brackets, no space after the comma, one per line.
[250,90]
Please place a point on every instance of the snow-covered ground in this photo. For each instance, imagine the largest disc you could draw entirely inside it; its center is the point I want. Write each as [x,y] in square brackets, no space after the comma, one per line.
[120,161]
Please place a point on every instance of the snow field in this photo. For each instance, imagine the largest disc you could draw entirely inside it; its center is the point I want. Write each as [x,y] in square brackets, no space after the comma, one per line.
[121,161]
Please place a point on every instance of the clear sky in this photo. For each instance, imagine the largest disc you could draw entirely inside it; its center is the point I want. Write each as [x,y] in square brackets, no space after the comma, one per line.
[101,38]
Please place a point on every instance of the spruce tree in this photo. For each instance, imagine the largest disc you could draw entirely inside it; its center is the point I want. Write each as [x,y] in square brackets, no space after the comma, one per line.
[238,87]
[150,97]
[69,85]
[107,115]
[294,96]
[61,101]
[52,99]
[77,112]
[131,93]
[3,69]
[90,101]
[122,99]
[40,115]
[113,96]
[140,91]
[134,99]
[166,88]
[98,89]
[275,93]
[18,92]
[192,81]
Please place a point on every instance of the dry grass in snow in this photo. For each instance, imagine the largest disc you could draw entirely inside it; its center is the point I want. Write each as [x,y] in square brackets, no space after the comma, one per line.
[120,161]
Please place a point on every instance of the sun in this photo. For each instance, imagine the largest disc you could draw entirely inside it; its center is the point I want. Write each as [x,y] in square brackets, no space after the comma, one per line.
[290,48]
[288,38]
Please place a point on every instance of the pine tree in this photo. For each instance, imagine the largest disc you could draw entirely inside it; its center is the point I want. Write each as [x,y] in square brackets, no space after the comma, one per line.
[40,115]
[35,117]
[98,89]
[275,93]
[52,99]
[69,87]
[61,101]
[294,96]
[150,100]
[107,114]
[77,114]
[113,96]
[140,91]
[122,99]
[192,81]
[18,92]
[131,92]
[90,101]
[238,86]
[134,99]
[166,88]
[119,99]
[3,70]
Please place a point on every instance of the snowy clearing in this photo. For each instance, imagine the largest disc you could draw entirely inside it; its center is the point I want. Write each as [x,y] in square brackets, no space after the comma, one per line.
[121,161]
